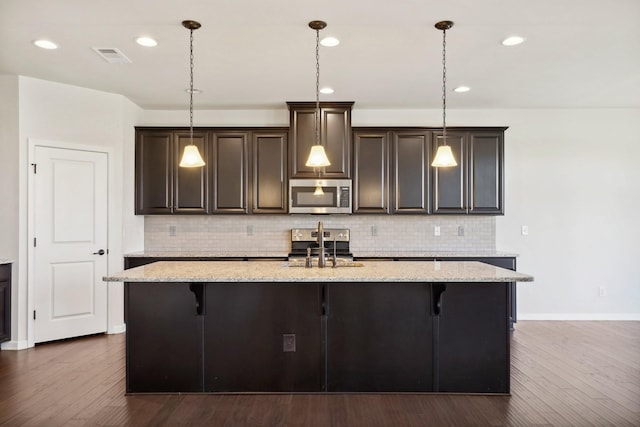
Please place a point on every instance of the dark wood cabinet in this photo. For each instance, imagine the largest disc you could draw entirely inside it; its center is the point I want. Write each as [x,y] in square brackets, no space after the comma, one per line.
[379,337]
[229,160]
[5,302]
[473,346]
[164,337]
[263,337]
[335,136]
[154,172]
[476,185]
[269,181]
[371,171]
[411,160]
[191,187]
[162,187]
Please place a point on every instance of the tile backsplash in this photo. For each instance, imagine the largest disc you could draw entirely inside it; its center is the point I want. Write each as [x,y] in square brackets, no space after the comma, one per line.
[262,235]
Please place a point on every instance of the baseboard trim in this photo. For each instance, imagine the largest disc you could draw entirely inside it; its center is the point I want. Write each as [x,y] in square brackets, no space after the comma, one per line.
[118,329]
[579,316]
[14,345]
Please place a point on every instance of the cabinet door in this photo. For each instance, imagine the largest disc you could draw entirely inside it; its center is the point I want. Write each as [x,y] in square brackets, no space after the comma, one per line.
[411,157]
[473,354]
[191,187]
[164,338]
[449,188]
[379,337]
[371,172]
[486,166]
[335,135]
[269,187]
[263,337]
[5,302]
[154,172]
[230,171]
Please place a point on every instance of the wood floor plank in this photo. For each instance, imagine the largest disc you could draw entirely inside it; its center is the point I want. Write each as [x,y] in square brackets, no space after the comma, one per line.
[563,374]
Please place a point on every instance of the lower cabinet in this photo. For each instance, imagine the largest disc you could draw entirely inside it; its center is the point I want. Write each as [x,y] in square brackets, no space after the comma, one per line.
[5,302]
[164,338]
[263,337]
[379,337]
[317,337]
[473,342]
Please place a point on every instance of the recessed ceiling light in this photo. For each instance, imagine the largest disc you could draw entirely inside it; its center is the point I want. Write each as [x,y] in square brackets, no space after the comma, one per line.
[326,90]
[461,89]
[512,41]
[146,41]
[329,42]
[45,44]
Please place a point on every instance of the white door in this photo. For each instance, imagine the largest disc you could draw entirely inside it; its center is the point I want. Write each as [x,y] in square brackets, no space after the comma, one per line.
[70,243]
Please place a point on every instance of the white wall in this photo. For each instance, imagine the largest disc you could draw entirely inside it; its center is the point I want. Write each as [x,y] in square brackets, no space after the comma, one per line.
[57,112]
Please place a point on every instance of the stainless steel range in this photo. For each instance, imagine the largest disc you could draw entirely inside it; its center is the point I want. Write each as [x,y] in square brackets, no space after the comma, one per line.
[303,238]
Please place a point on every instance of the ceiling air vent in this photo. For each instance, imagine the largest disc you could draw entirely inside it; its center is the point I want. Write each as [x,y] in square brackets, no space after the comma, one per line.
[112,55]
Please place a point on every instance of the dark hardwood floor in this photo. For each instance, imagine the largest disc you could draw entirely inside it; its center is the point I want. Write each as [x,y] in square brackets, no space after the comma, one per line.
[564,374]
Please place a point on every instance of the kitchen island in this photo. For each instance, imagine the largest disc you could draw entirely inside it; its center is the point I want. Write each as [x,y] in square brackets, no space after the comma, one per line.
[267,326]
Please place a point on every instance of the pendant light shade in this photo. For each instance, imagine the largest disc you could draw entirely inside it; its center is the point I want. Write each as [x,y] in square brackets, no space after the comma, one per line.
[191,157]
[317,157]
[444,156]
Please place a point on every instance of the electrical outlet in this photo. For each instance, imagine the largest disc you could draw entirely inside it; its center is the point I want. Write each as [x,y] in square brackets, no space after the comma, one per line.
[289,343]
[525,230]
[374,230]
[436,230]
[460,230]
[172,230]
[249,230]
[602,291]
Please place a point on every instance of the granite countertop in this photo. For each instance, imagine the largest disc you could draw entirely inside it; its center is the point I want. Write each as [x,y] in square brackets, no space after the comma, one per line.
[368,254]
[280,271]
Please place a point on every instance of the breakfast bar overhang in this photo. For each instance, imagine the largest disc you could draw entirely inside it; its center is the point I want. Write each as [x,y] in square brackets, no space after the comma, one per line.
[272,326]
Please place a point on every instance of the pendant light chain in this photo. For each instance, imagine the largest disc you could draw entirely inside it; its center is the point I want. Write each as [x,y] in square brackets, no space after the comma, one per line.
[444,86]
[317,87]
[191,87]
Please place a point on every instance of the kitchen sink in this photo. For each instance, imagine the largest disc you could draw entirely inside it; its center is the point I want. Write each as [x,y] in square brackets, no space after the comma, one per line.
[340,263]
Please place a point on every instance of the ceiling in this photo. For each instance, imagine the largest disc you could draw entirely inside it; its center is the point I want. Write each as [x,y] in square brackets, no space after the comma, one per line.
[260,54]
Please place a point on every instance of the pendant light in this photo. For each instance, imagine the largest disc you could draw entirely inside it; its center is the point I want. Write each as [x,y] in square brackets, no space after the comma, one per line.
[317,157]
[444,157]
[191,157]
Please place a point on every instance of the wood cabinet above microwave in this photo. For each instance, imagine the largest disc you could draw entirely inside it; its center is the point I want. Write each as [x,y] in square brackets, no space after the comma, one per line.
[335,136]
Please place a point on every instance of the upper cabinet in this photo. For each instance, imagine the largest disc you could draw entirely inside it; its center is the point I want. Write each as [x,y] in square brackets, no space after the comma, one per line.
[230,167]
[370,171]
[269,182]
[161,187]
[411,159]
[476,185]
[335,136]
[245,171]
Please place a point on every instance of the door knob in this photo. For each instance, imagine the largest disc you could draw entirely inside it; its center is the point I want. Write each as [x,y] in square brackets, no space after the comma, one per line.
[100,252]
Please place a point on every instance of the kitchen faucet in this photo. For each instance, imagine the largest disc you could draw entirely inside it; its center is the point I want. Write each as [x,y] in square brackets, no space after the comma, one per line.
[320,240]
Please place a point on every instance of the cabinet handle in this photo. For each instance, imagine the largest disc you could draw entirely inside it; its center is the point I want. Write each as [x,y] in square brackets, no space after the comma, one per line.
[100,252]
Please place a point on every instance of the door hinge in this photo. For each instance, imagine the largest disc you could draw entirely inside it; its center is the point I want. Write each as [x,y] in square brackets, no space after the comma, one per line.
[35,167]
[34,315]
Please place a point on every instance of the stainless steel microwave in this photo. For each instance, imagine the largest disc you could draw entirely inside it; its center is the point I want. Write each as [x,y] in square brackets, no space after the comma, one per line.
[320,196]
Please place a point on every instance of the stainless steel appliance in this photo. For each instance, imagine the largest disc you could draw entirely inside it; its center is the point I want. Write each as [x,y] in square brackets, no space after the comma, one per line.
[320,196]
[303,238]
